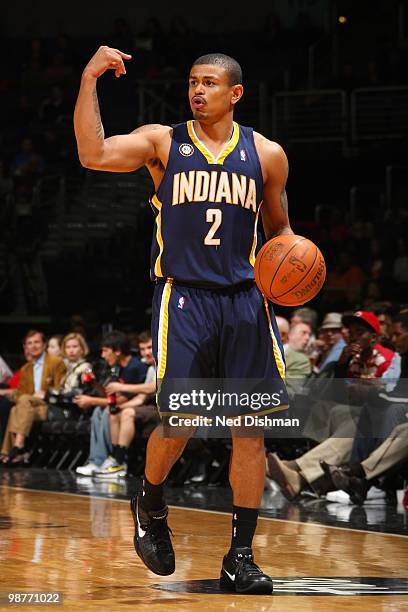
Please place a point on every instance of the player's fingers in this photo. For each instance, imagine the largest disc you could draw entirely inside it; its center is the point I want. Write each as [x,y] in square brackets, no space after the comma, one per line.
[122,54]
[118,67]
[117,63]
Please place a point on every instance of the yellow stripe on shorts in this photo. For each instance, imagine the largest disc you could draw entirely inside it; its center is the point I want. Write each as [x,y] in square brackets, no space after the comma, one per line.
[276,349]
[163,331]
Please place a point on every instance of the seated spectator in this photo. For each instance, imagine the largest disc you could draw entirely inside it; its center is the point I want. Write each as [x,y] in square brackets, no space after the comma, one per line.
[305,315]
[136,412]
[54,345]
[116,353]
[41,373]
[283,326]
[332,339]
[357,478]
[309,316]
[384,312]
[298,365]
[74,349]
[8,386]
[362,358]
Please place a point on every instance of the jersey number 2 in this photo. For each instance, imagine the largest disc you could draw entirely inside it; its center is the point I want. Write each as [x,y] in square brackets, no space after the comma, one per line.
[214,216]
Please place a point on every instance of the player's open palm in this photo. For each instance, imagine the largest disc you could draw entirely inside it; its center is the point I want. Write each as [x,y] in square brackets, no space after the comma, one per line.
[107,58]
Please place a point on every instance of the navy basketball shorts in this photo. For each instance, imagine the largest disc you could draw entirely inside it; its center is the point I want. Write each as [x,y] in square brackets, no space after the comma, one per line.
[216,341]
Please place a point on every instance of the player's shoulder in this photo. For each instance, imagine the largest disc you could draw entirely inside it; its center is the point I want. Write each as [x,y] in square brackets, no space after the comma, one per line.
[154,130]
[270,147]
[273,158]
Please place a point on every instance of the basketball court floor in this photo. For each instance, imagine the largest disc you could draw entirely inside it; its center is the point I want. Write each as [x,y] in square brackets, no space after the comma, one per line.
[60,534]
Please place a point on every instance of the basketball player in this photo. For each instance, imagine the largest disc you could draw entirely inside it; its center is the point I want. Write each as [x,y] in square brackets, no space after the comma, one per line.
[211,177]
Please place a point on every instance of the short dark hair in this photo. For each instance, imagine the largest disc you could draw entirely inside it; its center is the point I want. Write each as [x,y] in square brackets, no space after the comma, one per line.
[34,332]
[230,65]
[144,336]
[403,319]
[117,341]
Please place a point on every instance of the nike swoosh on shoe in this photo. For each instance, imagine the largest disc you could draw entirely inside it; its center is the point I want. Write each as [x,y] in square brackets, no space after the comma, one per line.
[230,576]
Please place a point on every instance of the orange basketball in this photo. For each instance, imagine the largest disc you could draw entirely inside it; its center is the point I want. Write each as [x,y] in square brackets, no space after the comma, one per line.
[290,270]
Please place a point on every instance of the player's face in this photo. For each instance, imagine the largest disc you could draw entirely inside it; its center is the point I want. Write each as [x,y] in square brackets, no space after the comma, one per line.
[210,93]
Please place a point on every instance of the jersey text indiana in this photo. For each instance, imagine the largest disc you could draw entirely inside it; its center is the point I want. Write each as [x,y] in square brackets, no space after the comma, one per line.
[214,186]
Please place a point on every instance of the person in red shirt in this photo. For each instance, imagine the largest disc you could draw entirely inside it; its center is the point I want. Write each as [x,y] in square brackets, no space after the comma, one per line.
[363,357]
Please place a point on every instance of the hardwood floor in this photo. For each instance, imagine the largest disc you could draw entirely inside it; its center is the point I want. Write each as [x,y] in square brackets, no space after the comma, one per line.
[83,547]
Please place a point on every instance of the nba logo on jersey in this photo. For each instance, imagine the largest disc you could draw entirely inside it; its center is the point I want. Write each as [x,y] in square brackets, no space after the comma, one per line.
[243,155]
[181,303]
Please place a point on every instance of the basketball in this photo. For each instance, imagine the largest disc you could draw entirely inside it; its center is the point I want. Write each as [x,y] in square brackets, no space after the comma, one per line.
[290,270]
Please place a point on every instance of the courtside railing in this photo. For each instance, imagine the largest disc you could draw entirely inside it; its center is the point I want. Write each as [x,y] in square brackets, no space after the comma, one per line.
[310,116]
[379,113]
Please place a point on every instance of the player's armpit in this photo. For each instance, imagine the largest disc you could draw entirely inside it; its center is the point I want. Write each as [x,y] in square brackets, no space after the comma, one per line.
[128,152]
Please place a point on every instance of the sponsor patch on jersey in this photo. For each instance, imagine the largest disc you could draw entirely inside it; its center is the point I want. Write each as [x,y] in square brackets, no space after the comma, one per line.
[186,149]
[243,155]
[181,303]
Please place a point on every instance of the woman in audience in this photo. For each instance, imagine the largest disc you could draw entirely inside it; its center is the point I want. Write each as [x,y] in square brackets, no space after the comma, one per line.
[74,349]
[54,345]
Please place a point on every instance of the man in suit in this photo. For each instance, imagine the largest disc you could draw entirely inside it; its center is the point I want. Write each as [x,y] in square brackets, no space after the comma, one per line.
[41,373]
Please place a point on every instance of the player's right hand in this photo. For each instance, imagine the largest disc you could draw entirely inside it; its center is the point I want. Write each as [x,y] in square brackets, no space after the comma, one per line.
[107,58]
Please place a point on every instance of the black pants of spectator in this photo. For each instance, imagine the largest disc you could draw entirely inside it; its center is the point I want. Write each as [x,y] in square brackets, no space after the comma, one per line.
[375,425]
[5,407]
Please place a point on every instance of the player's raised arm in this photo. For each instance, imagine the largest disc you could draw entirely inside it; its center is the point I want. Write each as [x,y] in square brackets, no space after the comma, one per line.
[275,170]
[122,153]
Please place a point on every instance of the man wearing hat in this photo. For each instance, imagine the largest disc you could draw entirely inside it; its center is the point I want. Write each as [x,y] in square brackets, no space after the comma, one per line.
[363,356]
[330,333]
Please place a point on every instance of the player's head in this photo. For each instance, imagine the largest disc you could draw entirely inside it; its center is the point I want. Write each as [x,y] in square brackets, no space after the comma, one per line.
[215,86]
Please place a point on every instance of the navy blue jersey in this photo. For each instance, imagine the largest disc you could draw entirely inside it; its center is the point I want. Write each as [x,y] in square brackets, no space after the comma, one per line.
[207,211]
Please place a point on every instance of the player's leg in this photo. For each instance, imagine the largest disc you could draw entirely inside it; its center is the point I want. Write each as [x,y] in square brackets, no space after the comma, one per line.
[177,348]
[252,352]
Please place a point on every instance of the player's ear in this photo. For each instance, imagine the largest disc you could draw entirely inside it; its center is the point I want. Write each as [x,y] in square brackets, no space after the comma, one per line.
[237,93]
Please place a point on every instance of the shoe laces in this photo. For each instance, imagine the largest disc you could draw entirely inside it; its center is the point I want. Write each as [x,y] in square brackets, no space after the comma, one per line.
[159,531]
[246,562]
